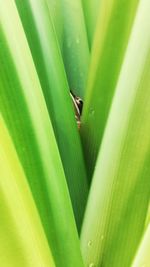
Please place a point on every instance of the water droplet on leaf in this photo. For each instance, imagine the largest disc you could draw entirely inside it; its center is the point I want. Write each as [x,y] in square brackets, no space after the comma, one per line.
[89,243]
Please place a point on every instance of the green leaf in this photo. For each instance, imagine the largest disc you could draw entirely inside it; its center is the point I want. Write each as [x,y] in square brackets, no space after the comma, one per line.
[91,10]
[24,110]
[110,43]
[23,242]
[142,257]
[57,19]
[147,221]
[49,65]
[120,192]
[75,46]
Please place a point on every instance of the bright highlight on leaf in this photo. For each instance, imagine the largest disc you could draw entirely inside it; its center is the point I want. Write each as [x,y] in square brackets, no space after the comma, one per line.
[23,242]
[143,257]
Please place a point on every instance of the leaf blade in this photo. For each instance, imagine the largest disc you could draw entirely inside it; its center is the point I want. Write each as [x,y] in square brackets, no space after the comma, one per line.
[120,191]
[21,228]
[23,107]
[111,39]
[50,69]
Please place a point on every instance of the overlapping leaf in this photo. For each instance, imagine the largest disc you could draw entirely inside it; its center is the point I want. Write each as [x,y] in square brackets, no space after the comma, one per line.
[111,39]
[23,241]
[117,207]
[24,110]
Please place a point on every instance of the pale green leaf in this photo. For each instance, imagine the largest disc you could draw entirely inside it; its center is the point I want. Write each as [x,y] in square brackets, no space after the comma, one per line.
[22,239]
[142,257]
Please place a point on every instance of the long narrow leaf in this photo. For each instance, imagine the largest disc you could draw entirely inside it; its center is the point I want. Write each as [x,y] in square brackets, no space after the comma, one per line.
[75,45]
[142,257]
[24,110]
[111,39]
[46,55]
[91,10]
[57,18]
[119,197]
[23,242]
